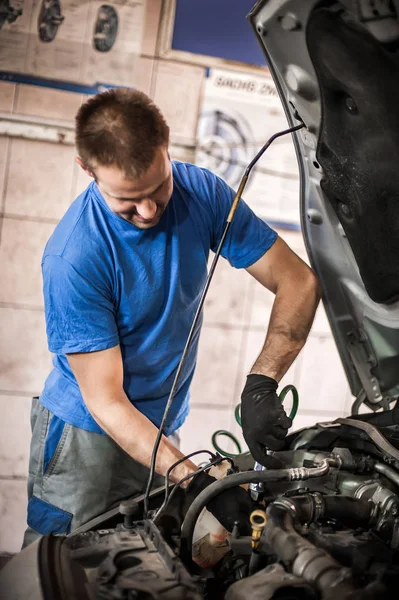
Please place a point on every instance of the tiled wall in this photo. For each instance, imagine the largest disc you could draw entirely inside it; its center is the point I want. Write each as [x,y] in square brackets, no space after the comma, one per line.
[38,180]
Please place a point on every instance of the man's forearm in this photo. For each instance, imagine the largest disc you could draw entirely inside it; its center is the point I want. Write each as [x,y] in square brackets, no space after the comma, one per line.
[136,435]
[290,322]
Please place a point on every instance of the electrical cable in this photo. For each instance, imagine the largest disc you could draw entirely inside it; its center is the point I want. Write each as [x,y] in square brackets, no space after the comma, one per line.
[237,414]
[177,463]
[216,461]
[192,332]
[237,163]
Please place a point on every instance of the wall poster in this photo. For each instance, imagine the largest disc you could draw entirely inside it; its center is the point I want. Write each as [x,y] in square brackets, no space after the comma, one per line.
[81,41]
[240,111]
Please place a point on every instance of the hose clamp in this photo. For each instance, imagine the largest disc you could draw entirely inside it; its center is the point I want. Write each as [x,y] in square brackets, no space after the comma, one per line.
[318,505]
[299,473]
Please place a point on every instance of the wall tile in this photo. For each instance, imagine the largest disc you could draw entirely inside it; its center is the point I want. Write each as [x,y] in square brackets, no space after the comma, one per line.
[4,146]
[218,359]
[321,324]
[253,343]
[13,501]
[81,181]
[21,249]
[143,74]
[40,179]
[196,432]
[236,430]
[24,359]
[151,24]
[177,93]
[46,102]
[181,152]
[7,94]
[322,383]
[15,435]
[227,297]
[261,305]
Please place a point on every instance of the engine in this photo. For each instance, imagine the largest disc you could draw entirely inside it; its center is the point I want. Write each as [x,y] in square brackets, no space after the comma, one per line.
[325,525]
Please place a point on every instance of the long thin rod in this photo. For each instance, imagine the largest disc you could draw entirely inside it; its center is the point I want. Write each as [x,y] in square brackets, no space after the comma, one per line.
[230,218]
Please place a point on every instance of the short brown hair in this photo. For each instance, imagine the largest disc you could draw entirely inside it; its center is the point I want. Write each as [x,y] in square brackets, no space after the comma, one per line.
[120,127]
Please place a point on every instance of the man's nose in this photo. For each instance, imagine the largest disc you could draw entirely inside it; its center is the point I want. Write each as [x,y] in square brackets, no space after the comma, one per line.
[147,209]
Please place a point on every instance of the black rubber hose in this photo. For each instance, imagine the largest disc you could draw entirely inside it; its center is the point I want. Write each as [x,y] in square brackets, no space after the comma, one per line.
[389,472]
[214,490]
[348,511]
[313,564]
[308,508]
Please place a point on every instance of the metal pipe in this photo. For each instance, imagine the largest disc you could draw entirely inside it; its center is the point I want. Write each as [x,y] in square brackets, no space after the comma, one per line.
[389,473]
[374,434]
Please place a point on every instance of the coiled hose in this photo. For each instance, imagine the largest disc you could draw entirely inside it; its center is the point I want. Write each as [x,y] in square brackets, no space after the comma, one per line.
[232,437]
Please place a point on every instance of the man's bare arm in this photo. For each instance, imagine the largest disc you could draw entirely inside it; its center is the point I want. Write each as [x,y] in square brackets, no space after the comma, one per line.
[100,378]
[297,295]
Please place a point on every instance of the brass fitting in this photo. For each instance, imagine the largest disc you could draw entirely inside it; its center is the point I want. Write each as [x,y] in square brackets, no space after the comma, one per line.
[258,521]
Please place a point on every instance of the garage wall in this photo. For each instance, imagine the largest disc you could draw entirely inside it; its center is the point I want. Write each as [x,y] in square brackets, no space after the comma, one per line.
[38,181]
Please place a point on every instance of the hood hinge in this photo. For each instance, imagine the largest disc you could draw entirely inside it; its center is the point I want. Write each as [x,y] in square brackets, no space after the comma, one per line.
[364,361]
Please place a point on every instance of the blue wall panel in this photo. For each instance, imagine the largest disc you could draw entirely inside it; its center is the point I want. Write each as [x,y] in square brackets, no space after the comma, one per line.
[216,28]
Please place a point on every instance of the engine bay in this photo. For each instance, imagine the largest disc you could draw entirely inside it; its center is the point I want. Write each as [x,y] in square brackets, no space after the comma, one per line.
[325,525]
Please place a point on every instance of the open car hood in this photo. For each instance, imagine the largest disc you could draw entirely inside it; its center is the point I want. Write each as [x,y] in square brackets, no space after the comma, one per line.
[336,67]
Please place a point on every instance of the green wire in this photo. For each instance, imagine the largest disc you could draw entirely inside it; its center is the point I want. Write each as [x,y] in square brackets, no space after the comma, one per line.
[237,414]
[231,437]
[295,399]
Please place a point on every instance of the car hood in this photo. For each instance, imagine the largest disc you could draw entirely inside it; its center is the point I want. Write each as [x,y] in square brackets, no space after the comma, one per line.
[336,68]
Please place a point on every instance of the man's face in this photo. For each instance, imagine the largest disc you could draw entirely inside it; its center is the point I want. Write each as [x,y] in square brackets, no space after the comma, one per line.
[140,201]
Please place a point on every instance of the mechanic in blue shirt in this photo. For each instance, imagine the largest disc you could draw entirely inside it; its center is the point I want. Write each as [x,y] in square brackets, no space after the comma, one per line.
[123,273]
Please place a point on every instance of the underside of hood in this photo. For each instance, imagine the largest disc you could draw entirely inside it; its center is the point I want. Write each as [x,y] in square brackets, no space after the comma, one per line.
[336,68]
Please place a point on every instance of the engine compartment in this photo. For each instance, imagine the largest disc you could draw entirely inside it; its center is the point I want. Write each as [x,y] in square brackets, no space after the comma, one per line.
[326,525]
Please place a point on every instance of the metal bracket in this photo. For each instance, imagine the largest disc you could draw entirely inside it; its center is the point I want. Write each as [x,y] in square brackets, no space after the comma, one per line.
[364,361]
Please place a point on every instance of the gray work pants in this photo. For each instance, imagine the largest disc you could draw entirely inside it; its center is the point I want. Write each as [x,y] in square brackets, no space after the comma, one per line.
[75,475]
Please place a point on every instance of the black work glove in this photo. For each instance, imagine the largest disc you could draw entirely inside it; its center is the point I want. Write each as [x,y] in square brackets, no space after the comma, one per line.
[228,507]
[263,418]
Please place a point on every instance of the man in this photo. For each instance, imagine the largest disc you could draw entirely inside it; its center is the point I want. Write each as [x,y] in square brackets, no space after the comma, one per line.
[123,273]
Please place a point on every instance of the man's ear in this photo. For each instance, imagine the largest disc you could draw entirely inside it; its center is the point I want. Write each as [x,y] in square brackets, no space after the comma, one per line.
[85,169]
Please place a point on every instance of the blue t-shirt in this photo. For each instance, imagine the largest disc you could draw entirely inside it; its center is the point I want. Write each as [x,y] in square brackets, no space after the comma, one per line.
[107,282]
